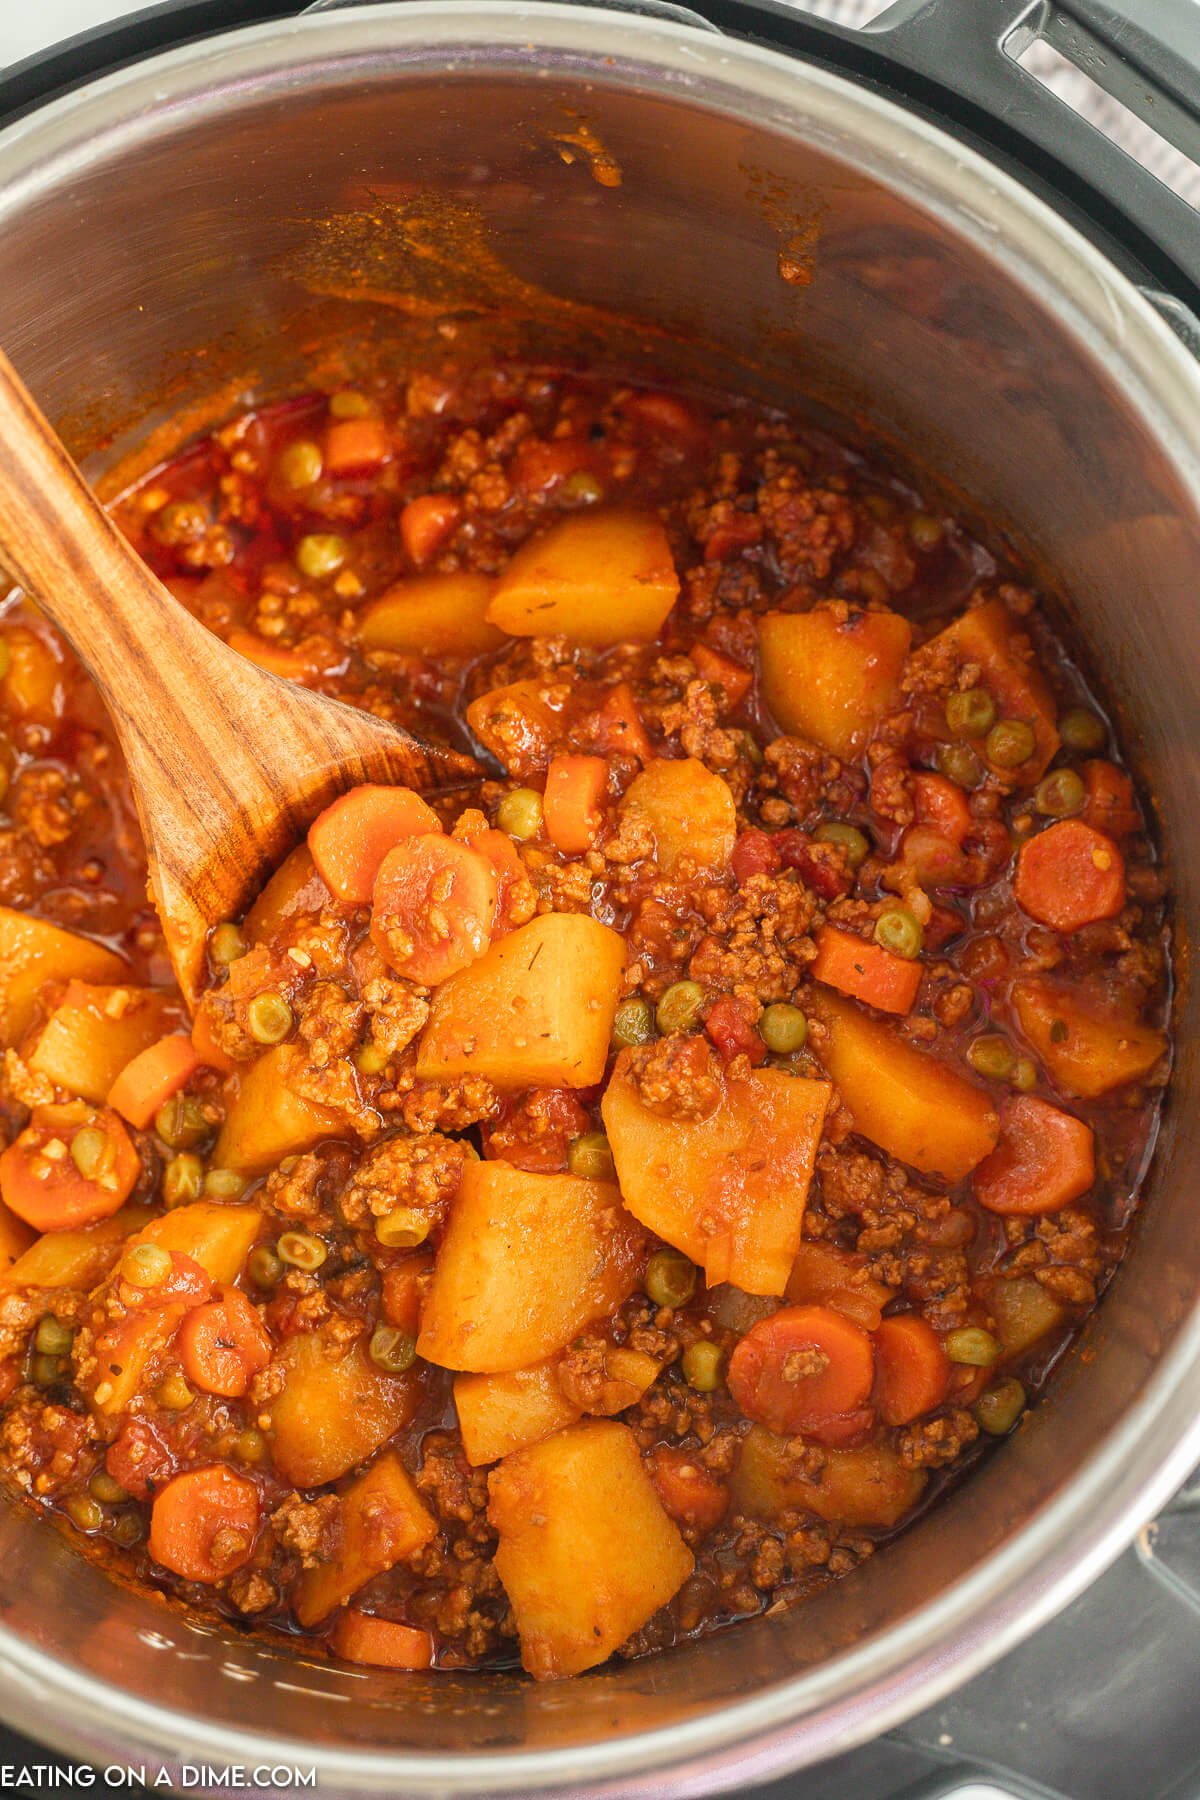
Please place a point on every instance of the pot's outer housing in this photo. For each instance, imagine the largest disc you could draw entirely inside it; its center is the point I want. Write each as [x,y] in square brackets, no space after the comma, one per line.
[155,227]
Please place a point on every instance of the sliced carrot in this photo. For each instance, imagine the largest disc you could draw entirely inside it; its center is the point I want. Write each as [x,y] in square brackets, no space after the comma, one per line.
[691,1493]
[1044,1159]
[802,1369]
[1069,876]
[350,839]
[433,908]
[384,1643]
[223,1345]
[722,671]
[942,805]
[912,1371]
[619,729]
[575,790]
[356,446]
[426,523]
[865,971]
[826,1276]
[1110,805]
[405,1285]
[43,1183]
[207,1049]
[204,1523]
[151,1078]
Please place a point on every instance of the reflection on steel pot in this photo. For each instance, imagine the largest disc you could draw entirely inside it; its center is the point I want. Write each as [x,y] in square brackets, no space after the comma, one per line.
[677,200]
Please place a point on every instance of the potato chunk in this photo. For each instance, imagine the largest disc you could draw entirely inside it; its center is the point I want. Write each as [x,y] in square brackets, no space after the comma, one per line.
[498,1414]
[690,811]
[33,953]
[75,1259]
[267,1120]
[728,1190]
[865,1486]
[587,1553]
[916,1108]
[596,578]
[536,1010]
[335,1408]
[432,615]
[518,724]
[383,1519]
[829,677]
[215,1236]
[294,890]
[94,1031]
[989,638]
[527,1261]
[16,1238]
[1088,1047]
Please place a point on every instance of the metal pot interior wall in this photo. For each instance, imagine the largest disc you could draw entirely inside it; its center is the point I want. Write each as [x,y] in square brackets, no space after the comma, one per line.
[183,234]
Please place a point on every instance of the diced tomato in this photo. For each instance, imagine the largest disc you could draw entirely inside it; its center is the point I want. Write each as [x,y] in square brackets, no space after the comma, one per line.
[731,1029]
[821,867]
[433,907]
[1044,1159]
[755,853]
[865,971]
[350,839]
[722,671]
[223,1345]
[139,1459]
[204,1523]
[576,787]
[942,805]
[1110,805]
[356,446]
[42,1180]
[942,927]
[151,1078]
[691,1493]
[803,1368]
[912,1370]
[382,1643]
[426,523]
[535,1131]
[1070,876]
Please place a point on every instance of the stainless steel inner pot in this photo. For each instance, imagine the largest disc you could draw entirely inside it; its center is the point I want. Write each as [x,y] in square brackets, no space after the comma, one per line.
[156,227]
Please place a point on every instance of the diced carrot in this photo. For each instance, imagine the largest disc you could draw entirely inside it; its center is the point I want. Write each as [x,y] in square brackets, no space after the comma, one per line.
[802,1369]
[384,1643]
[1044,1159]
[1110,805]
[722,671]
[405,1285]
[619,729]
[356,446]
[692,1494]
[823,1275]
[1069,876]
[575,790]
[865,971]
[151,1078]
[912,1371]
[223,1345]
[426,523]
[43,1184]
[207,1049]
[350,839]
[942,805]
[433,907]
[204,1523]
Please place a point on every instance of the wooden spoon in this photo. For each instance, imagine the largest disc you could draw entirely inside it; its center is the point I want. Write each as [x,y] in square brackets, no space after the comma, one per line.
[229,765]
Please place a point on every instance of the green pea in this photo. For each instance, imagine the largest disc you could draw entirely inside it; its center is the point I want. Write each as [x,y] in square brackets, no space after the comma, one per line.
[181,1122]
[899,931]
[854,843]
[925,531]
[371,1059]
[1010,743]
[633,1023]
[783,1028]
[146,1266]
[670,1279]
[84,1513]
[264,1268]
[348,404]
[1024,1074]
[992,1056]
[403,1228]
[269,1018]
[1060,794]
[300,464]
[103,1487]
[702,1366]
[1000,1406]
[302,1250]
[52,1337]
[581,489]
[591,1157]
[226,943]
[91,1152]
[250,1446]
[319,555]
[679,1008]
[44,1371]
[958,762]
[973,1346]
[174,1393]
[127,1530]
[183,1179]
[392,1349]
[520,814]
[224,1184]
[971,713]
[1081,730]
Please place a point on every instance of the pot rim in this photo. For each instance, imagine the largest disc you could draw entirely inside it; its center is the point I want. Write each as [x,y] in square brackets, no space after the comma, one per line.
[1150,1450]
